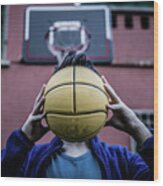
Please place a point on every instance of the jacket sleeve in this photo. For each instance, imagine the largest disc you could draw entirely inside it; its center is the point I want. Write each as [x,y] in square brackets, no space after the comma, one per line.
[12,157]
[141,165]
[147,153]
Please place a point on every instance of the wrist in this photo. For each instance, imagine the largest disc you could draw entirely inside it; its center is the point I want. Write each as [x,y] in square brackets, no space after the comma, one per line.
[141,133]
[26,132]
[25,137]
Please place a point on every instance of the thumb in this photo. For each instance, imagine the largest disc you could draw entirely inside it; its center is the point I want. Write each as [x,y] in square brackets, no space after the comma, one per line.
[114,107]
[38,117]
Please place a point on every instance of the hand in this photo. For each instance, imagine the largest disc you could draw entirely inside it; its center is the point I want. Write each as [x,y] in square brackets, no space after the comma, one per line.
[123,117]
[33,127]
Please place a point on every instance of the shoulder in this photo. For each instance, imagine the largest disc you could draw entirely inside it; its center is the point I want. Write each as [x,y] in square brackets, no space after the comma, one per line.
[121,160]
[97,143]
[40,150]
[123,155]
[113,151]
[39,147]
[116,150]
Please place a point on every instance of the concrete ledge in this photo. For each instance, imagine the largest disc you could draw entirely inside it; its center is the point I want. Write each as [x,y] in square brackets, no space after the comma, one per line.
[5,63]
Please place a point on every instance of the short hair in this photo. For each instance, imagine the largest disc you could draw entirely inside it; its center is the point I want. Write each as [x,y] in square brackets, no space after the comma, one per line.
[73,59]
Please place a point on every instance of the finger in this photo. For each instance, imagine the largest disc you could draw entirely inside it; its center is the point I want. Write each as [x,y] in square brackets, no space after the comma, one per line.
[41,108]
[38,106]
[110,100]
[115,98]
[38,117]
[114,107]
[109,111]
[40,94]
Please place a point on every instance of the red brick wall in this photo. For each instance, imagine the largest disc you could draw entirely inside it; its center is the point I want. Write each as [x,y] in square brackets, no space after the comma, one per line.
[133,45]
[129,45]
[21,83]
[15,32]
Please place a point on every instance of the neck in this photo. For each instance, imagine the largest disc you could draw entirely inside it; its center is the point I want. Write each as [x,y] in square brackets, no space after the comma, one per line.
[75,149]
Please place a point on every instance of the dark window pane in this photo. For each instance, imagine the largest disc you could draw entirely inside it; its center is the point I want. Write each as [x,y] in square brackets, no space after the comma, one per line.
[144,22]
[114,20]
[144,117]
[128,21]
[152,117]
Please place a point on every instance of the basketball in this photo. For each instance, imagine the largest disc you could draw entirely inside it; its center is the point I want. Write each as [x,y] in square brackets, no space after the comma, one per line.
[75,103]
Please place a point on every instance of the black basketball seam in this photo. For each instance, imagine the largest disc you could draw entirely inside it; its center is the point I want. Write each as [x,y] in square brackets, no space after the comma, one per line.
[74,89]
[76,114]
[78,83]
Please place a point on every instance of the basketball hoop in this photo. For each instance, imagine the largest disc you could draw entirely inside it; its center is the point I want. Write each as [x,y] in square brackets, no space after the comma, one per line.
[65,36]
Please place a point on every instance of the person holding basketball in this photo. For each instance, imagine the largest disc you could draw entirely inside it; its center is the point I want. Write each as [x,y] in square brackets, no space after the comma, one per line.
[90,159]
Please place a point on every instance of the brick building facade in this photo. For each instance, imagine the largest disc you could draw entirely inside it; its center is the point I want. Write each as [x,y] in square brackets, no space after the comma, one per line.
[130,73]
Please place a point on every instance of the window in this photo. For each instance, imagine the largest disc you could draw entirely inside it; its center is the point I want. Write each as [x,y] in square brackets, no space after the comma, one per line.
[114,21]
[144,20]
[128,21]
[146,117]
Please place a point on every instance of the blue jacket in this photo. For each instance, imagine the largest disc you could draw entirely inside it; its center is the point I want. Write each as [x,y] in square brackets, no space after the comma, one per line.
[22,158]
